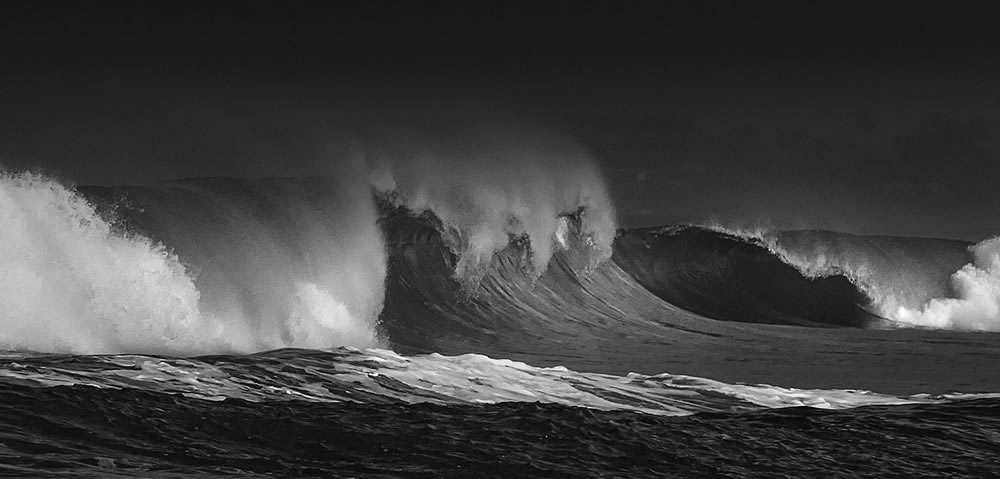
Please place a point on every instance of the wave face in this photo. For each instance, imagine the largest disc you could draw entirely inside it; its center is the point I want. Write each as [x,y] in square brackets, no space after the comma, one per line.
[574,303]
[723,277]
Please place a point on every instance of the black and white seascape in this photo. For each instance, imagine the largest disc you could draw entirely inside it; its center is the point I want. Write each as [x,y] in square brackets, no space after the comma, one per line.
[401,241]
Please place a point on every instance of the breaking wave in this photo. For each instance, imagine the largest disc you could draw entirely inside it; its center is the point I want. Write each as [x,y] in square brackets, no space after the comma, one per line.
[723,277]
[477,248]
[249,266]
[486,192]
[920,282]
[229,265]
[976,301]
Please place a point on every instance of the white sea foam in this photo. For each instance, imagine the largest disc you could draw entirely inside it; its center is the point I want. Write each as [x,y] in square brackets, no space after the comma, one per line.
[491,187]
[976,305]
[72,282]
[350,375]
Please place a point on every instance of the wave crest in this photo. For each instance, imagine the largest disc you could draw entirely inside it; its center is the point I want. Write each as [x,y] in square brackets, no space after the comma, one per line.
[71,282]
[490,191]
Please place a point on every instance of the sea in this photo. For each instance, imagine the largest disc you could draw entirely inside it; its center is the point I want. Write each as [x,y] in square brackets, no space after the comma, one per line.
[476,321]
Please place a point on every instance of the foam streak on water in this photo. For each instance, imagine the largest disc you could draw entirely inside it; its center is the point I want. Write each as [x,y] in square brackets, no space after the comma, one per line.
[349,375]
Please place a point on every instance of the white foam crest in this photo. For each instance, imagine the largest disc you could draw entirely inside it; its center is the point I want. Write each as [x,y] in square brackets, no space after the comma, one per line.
[349,375]
[818,262]
[68,282]
[489,189]
[976,305]
[758,233]
[71,282]
[779,397]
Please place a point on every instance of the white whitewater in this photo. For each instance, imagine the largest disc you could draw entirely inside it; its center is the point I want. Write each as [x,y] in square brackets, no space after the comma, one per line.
[347,375]
[976,301]
[240,267]
[71,281]
[489,188]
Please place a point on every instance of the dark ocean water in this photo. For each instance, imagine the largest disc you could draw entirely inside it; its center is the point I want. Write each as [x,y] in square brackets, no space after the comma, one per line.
[134,320]
[86,432]
[314,414]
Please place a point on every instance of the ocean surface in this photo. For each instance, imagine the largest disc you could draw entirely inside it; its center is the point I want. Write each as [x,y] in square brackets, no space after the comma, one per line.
[490,327]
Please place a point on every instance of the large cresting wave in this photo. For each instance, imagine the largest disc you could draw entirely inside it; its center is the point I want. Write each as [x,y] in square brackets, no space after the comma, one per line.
[485,245]
[210,265]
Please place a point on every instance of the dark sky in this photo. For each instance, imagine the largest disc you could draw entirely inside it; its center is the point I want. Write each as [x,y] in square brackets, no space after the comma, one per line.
[881,119]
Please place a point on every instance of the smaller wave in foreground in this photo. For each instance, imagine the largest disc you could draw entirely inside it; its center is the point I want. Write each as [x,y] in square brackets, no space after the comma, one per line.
[381,376]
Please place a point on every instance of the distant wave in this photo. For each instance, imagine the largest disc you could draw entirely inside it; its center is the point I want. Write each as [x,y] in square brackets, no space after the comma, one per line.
[723,277]
[921,282]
